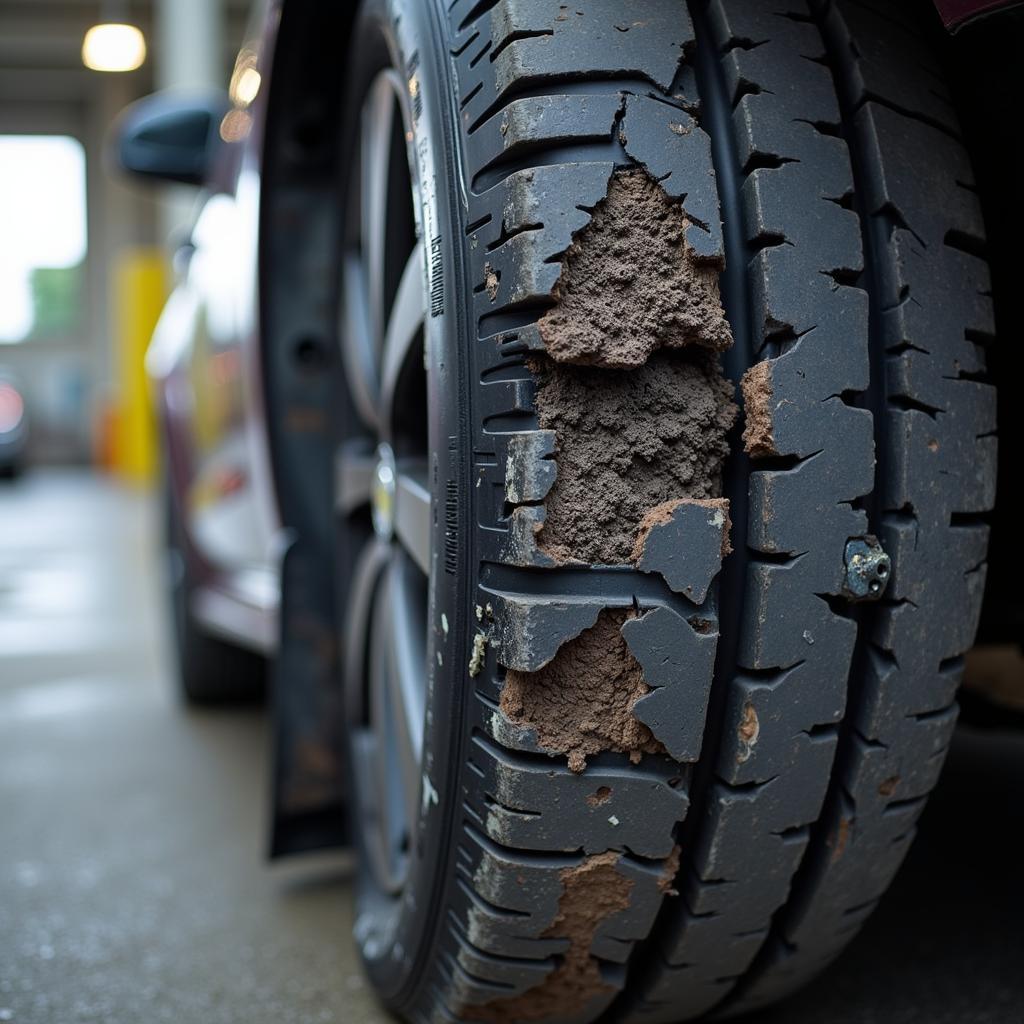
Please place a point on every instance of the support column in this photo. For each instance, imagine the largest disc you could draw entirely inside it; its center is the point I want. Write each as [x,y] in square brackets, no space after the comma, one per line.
[189,44]
[188,53]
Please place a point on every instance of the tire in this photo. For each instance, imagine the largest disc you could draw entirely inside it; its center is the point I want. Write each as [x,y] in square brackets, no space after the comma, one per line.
[210,671]
[688,676]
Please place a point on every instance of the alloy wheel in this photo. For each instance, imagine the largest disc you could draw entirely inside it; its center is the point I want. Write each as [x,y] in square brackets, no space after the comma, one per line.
[382,488]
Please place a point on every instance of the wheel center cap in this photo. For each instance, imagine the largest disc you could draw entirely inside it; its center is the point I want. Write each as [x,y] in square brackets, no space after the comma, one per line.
[382,498]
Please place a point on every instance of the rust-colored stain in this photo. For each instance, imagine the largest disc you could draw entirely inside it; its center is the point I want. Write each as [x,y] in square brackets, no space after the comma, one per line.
[581,702]
[591,892]
[756,384]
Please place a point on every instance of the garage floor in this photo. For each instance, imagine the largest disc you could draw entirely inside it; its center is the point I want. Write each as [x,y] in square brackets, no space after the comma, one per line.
[131,882]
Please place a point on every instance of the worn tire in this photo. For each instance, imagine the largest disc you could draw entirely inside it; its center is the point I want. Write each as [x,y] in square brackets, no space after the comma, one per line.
[658,782]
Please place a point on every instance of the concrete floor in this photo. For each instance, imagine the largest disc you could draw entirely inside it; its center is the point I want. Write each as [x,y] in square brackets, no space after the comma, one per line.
[131,882]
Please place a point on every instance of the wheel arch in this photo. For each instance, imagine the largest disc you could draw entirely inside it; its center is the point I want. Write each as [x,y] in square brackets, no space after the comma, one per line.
[299,377]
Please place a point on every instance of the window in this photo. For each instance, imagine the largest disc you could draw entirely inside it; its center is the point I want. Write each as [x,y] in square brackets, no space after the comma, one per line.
[42,235]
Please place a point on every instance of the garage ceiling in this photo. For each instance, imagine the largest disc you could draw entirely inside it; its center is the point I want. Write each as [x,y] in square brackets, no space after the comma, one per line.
[46,35]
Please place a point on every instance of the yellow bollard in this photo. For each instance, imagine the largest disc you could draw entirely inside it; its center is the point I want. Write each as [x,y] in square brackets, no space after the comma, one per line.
[140,290]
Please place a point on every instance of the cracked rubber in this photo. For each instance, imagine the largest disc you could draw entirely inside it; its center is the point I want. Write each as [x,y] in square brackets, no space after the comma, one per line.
[687,767]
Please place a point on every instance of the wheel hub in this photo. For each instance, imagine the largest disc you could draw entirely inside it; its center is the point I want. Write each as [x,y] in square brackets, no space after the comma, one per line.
[382,497]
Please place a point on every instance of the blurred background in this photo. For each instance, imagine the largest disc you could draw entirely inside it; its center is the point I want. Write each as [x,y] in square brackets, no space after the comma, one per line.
[133,884]
[132,830]
[83,254]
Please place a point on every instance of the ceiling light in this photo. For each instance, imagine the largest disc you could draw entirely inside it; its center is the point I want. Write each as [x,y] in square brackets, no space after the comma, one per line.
[113,47]
[248,86]
[236,125]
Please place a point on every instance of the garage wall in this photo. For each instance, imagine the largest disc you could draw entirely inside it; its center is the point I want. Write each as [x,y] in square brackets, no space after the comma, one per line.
[44,89]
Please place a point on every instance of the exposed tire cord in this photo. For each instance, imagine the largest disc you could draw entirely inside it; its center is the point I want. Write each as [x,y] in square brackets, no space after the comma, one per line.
[676,868]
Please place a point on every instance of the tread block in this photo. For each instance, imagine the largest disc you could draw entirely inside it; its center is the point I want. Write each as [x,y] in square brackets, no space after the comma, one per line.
[530,629]
[532,41]
[771,724]
[520,544]
[777,495]
[685,542]
[530,469]
[779,593]
[515,255]
[638,814]
[884,53]
[677,153]
[534,121]
[677,662]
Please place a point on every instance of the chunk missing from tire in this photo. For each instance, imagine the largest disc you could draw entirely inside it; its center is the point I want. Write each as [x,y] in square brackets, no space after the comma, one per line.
[638,434]
[592,892]
[582,702]
[626,442]
[631,284]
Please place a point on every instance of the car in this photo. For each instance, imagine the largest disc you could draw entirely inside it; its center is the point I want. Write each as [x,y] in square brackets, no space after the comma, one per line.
[581,413]
[13,426]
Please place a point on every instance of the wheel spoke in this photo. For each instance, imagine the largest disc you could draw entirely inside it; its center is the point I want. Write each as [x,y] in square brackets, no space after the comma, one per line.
[385,473]
[405,640]
[354,469]
[387,790]
[358,611]
[366,749]
[403,331]
[357,348]
[413,513]
[377,126]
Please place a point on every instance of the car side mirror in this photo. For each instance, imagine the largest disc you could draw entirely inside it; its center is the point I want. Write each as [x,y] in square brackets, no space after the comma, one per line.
[170,136]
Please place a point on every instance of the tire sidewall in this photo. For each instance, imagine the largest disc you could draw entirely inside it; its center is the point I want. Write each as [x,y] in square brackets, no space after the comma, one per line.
[395,935]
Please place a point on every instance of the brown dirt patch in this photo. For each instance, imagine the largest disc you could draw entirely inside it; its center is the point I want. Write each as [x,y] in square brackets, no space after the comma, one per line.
[581,702]
[748,732]
[669,872]
[591,892]
[630,283]
[628,442]
[491,280]
[888,786]
[756,384]
[840,838]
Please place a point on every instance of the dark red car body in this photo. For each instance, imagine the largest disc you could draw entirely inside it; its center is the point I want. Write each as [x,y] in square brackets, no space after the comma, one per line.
[957,13]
